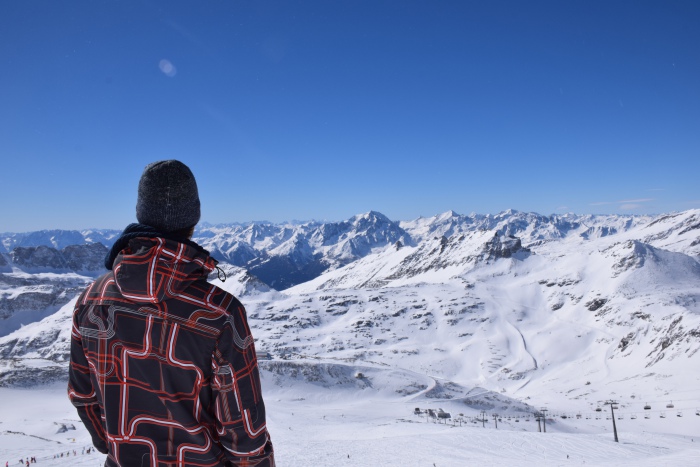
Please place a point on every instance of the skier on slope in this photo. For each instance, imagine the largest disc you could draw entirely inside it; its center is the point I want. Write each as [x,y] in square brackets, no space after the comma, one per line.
[163,366]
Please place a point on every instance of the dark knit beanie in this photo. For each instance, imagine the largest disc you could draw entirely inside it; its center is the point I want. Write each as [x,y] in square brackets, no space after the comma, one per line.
[168,198]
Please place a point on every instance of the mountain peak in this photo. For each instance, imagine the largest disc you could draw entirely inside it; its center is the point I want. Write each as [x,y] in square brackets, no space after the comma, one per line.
[447,215]
[508,212]
[374,216]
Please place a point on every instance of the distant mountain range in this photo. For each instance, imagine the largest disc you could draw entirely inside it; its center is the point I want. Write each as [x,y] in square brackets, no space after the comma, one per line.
[283,255]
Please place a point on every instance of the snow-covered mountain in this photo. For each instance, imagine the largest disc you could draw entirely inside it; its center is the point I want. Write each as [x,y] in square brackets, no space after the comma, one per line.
[606,297]
[283,255]
[280,255]
[574,309]
[57,239]
[288,254]
[36,281]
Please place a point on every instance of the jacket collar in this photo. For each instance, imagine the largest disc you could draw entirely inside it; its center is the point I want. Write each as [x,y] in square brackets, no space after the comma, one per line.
[141,230]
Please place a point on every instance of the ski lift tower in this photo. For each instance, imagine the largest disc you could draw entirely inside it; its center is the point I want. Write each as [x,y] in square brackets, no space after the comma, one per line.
[543,411]
[612,412]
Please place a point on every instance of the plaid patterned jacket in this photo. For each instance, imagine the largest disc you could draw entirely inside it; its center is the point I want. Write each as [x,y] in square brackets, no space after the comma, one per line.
[163,369]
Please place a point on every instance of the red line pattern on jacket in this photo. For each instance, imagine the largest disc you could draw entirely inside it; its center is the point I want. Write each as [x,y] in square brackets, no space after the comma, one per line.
[163,368]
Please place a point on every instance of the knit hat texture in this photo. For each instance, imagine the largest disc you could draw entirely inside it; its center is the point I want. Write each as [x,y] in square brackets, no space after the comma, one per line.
[168,199]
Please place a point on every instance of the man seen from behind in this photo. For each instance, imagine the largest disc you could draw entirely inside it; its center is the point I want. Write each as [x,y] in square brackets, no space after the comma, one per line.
[163,369]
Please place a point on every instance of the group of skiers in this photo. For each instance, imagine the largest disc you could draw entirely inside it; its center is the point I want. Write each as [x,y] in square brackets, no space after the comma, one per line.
[25,462]
[88,451]
[32,459]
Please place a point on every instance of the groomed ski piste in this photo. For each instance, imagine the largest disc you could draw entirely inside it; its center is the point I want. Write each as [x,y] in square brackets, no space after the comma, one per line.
[315,427]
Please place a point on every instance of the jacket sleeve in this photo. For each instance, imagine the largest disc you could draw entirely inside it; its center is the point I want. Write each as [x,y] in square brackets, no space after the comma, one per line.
[80,390]
[239,408]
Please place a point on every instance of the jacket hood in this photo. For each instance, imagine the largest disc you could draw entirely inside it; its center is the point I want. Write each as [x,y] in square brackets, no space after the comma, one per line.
[152,270]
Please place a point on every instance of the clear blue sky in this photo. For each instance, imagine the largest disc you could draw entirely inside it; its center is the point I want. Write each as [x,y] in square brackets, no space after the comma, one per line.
[325,109]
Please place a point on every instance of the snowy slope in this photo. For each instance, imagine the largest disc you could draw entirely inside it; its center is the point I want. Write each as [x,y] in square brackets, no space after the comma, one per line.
[39,352]
[505,313]
[366,432]
[488,299]
[585,316]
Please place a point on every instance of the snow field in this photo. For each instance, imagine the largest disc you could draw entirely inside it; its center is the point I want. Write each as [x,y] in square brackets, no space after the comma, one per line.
[309,429]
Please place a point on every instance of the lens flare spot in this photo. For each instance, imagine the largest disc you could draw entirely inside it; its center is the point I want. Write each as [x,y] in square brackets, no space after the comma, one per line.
[167,68]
